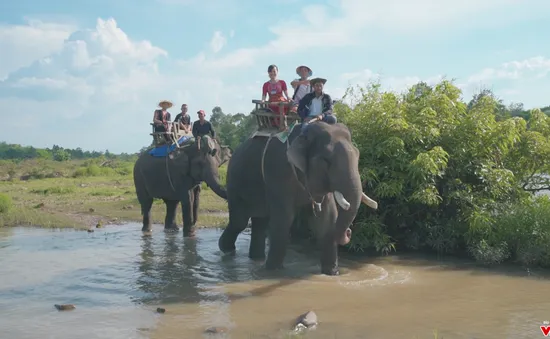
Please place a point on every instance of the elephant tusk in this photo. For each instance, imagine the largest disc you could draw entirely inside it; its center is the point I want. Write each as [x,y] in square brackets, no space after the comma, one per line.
[368,201]
[341,200]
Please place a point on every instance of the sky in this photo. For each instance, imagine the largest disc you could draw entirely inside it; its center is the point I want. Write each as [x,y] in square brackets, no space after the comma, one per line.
[90,73]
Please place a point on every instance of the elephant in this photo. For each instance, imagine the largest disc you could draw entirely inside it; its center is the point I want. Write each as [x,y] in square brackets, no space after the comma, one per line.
[269,182]
[176,178]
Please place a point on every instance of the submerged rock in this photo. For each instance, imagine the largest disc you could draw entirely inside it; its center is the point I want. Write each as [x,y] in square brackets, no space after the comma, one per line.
[216,330]
[64,307]
[90,230]
[306,321]
[161,310]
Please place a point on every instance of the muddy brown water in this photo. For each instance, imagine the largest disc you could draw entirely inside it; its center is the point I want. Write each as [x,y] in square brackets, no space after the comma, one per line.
[117,278]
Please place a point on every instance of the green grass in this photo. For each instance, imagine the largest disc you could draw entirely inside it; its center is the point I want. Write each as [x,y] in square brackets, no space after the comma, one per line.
[71,199]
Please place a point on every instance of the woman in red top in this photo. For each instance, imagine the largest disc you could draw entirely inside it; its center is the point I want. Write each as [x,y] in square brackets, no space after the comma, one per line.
[275,89]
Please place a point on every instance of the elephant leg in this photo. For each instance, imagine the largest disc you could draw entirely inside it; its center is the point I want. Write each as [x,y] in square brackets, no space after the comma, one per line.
[146,204]
[192,203]
[188,228]
[281,218]
[259,226]
[300,227]
[238,220]
[324,229]
[196,202]
[170,218]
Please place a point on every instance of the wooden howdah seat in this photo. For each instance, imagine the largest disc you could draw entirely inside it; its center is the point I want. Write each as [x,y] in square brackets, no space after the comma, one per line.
[265,117]
[159,138]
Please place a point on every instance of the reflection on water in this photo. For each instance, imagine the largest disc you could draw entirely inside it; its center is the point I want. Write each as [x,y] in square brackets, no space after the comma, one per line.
[117,277]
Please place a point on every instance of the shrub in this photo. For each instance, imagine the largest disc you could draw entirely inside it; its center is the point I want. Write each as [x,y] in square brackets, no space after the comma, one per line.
[450,176]
[6,203]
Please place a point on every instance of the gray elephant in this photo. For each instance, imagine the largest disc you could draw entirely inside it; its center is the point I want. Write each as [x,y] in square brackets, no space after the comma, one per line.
[176,178]
[269,183]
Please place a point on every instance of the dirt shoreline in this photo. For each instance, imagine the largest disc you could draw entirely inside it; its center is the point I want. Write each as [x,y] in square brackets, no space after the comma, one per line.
[91,220]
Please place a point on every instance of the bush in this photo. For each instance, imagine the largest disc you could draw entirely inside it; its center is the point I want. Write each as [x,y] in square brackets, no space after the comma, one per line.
[450,176]
[93,170]
[6,203]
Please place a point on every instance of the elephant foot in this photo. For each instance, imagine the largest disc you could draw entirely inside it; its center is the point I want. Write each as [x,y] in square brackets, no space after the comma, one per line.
[171,228]
[270,266]
[226,248]
[330,271]
[189,232]
[256,257]
[146,229]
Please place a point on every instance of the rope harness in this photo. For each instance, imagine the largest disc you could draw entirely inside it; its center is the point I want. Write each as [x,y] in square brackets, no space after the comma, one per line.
[316,206]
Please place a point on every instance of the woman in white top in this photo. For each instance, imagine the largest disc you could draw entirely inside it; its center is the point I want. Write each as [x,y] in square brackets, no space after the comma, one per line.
[301,86]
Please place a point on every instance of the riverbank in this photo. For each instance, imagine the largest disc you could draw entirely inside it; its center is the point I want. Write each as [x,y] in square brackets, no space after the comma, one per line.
[84,202]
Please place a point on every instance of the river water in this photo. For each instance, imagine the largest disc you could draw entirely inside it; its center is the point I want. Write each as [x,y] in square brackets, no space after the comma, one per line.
[117,277]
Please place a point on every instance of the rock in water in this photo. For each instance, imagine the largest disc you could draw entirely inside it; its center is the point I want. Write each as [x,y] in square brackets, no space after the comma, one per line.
[161,310]
[215,330]
[64,307]
[307,320]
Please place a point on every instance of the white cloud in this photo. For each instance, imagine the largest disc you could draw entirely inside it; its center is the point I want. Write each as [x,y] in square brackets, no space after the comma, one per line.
[23,44]
[391,83]
[218,42]
[537,67]
[97,88]
[519,71]
[345,23]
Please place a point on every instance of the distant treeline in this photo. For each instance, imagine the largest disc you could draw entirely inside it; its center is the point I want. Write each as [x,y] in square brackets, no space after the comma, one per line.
[18,152]
[231,130]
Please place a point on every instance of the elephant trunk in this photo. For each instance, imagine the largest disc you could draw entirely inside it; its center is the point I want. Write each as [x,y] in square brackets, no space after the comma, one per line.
[212,180]
[346,216]
[347,192]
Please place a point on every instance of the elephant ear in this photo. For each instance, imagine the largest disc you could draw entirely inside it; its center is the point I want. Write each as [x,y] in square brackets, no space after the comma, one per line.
[208,145]
[181,159]
[225,154]
[297,153]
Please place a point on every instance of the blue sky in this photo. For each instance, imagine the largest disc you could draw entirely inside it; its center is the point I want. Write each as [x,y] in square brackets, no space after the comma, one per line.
[90,73]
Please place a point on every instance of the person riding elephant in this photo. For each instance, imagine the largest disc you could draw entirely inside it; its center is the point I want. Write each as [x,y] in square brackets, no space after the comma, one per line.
[317,104]
[162,119]
[176,177]
[269,182]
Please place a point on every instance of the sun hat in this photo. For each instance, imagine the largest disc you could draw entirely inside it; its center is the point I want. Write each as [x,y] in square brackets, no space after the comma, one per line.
[309,69]
[316,80]
[166,103]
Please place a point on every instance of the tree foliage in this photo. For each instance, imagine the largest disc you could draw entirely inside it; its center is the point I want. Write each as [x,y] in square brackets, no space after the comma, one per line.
[57,153]
[448,174]
[232,129]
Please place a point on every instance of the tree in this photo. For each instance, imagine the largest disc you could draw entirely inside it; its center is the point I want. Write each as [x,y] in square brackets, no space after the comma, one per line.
[446,174]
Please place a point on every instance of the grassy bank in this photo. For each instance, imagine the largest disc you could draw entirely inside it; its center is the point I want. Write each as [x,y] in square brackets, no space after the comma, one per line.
[82,193]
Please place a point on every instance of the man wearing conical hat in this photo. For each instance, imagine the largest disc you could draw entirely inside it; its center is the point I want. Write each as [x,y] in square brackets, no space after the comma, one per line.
[162,118]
